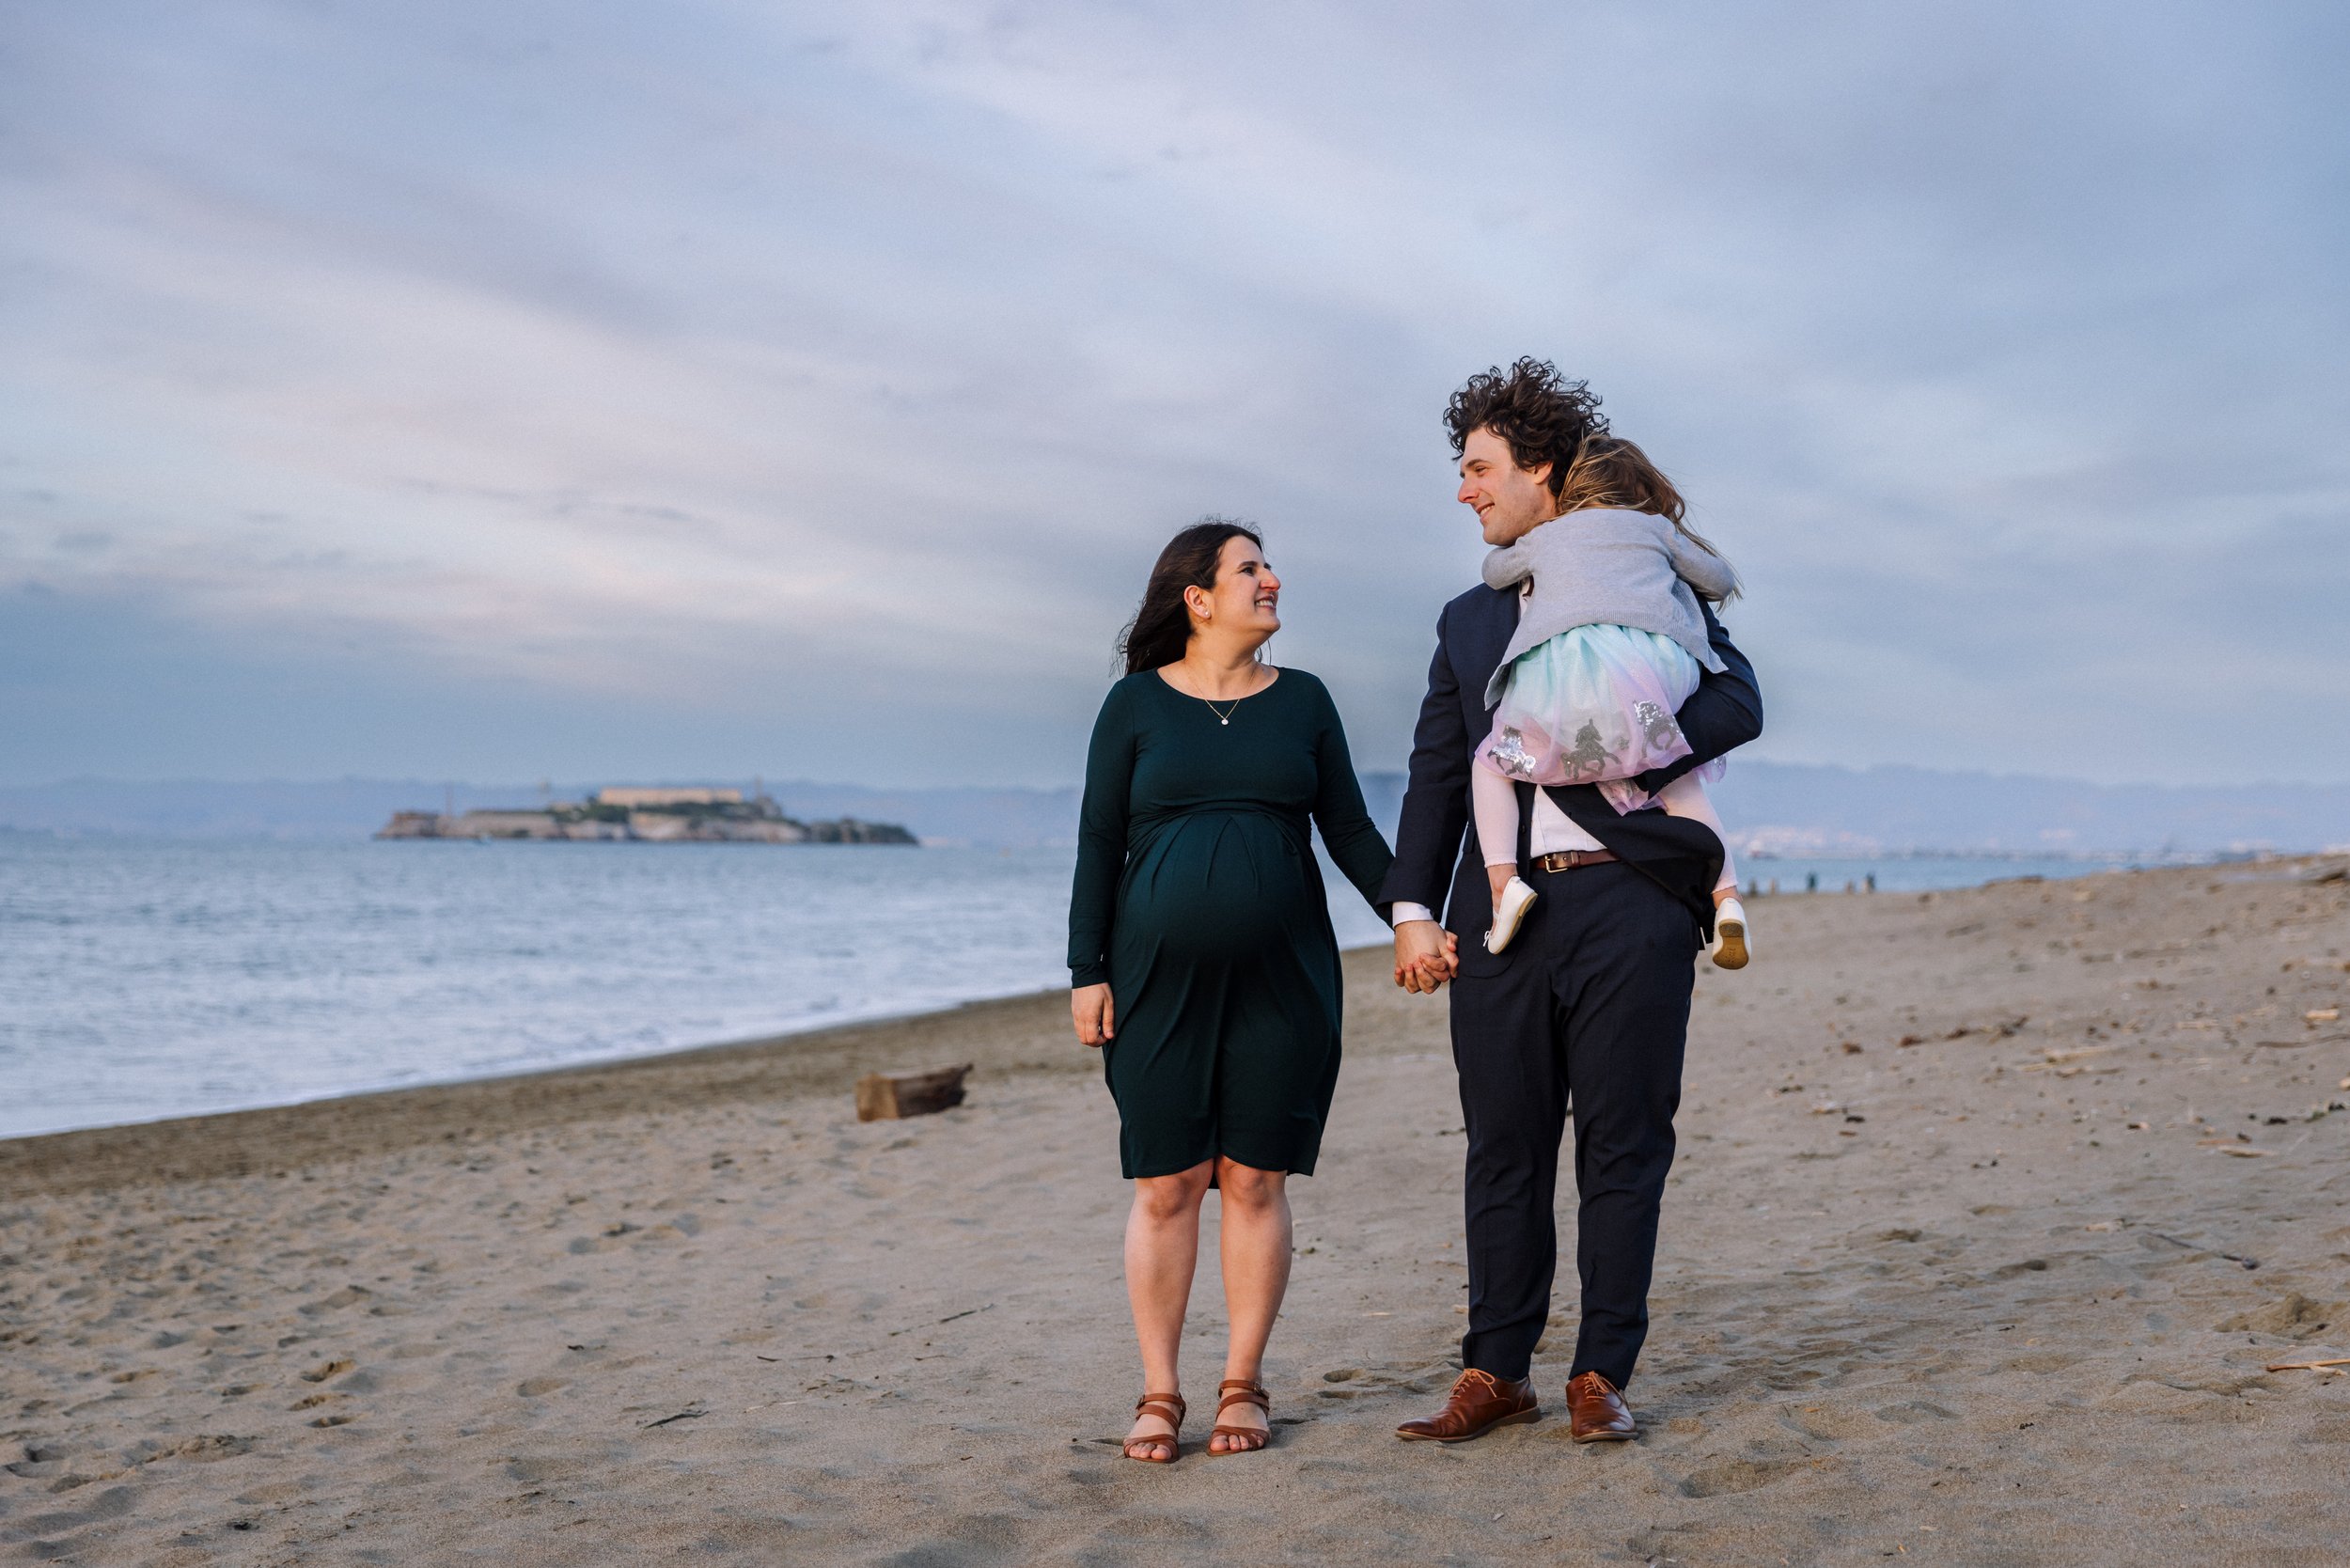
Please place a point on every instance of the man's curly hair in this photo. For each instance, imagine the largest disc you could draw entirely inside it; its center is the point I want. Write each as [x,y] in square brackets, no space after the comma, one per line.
[1543,417]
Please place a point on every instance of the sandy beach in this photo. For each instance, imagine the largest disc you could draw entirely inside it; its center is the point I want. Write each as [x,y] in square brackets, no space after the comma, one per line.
[1957,1266]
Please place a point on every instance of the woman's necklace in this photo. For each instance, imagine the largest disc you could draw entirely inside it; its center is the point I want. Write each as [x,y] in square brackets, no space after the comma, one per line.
[1223,714]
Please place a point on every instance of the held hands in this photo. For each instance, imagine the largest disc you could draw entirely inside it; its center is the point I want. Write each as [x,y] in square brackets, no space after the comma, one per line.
[1426,955]
[1092,1009]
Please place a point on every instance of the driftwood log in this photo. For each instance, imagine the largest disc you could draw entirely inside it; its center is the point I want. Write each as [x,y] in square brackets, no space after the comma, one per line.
[885,1096]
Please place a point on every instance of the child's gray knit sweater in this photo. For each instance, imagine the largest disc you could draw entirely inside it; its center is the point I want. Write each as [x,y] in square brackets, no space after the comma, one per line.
[1608,567]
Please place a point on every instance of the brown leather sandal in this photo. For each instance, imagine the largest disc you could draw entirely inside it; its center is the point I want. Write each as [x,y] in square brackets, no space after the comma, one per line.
[1171,1410]
[1240,1391]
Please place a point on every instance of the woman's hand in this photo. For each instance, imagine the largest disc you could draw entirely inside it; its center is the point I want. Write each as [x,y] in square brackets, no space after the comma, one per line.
[1426,955]
[1092,1009]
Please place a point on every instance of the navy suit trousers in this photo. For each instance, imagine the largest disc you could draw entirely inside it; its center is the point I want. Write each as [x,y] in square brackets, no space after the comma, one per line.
[1588,1012]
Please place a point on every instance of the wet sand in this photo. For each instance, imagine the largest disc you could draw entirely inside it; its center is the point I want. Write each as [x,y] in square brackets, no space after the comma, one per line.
[1975,1298]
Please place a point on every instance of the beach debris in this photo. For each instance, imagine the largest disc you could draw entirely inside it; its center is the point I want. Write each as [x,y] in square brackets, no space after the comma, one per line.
[2323,1016]
[688,1415]
[2327,873]
[887,1096]
[2326,1364]
[2197,1247]
[2068,1064]
[951,1317]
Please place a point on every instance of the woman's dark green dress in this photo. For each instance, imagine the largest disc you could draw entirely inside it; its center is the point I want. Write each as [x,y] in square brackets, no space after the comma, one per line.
[1198,898]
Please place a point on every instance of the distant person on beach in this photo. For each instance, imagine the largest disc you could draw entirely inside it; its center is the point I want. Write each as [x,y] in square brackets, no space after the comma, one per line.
[1201,954]
[1609,644]
[1587,1011]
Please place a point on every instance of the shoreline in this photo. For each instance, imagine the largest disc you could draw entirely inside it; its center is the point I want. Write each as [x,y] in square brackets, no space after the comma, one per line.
[364,1123]
[1020,1034]
[774,1040]
[209,1143]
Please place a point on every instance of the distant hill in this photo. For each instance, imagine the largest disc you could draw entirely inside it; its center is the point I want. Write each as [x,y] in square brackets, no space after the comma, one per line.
[1786,808]
[1794,808]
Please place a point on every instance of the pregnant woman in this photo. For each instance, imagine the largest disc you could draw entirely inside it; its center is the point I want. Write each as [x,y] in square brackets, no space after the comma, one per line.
[1200,953]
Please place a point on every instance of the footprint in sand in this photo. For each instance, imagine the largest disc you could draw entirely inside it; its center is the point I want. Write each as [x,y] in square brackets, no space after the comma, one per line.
[325,1370]
[1735,1475]
[533,1388]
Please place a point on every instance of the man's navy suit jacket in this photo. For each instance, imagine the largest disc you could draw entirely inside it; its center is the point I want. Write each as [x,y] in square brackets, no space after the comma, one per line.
[1472,634]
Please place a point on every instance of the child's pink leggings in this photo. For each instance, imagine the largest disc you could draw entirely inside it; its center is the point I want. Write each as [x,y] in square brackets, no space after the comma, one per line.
[1494,797]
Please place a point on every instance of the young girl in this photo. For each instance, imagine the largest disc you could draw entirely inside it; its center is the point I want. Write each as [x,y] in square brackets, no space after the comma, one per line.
[1608,646]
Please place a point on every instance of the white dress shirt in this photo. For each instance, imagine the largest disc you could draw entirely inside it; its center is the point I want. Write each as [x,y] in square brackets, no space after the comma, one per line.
[1553,831]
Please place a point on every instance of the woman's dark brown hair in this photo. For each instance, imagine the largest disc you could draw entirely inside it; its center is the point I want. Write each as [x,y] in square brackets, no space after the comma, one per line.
[1162,627]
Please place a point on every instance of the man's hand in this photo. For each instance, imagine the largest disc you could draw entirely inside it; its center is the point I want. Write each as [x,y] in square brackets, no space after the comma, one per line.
[1426,955]
[1092,1009]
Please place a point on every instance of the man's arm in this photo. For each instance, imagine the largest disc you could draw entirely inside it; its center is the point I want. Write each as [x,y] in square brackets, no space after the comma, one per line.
[1435,794]
[1722,714]
[1428,830]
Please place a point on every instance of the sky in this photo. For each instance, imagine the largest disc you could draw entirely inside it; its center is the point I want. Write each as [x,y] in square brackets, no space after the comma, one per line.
[601,390]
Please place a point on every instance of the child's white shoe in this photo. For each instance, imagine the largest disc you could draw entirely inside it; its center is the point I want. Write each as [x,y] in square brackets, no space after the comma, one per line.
[1516,899]
[1730,934]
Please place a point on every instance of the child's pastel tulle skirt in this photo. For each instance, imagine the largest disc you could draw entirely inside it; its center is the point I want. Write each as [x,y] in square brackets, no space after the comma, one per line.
[1592,705]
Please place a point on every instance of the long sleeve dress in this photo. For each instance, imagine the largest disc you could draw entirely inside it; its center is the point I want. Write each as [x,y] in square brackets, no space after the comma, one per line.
[1198,901]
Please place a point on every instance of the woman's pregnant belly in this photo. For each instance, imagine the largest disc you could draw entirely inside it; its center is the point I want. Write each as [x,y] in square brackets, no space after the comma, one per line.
[1218,886]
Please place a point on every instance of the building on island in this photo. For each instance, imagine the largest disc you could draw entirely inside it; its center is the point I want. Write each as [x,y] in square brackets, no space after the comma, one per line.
[704,816]
[630,799]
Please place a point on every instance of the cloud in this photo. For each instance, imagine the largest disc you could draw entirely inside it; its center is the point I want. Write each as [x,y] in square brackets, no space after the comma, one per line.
[804,390]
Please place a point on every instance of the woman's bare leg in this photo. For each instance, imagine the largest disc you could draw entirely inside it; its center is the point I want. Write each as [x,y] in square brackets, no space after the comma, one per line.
[1256,1255]
[1162,1250]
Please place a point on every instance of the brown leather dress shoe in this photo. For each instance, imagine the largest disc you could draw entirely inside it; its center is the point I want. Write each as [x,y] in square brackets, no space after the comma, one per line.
[1596,1411]
[1479,1403]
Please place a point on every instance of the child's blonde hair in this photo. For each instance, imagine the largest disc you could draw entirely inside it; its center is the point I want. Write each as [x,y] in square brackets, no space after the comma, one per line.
[1610,471]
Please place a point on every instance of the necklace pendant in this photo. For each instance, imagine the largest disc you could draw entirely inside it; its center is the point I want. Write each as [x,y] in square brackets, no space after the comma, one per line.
[1224,721]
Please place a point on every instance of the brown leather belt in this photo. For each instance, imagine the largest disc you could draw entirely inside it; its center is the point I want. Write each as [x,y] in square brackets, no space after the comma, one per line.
[1567,860]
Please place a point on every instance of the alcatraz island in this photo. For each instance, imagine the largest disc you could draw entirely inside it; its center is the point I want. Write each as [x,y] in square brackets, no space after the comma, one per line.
[647,816]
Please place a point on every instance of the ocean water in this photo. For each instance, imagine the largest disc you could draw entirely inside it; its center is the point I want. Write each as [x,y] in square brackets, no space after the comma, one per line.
[1911,873]
[148,978]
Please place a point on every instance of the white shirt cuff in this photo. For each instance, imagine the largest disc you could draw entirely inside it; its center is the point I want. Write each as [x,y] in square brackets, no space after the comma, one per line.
[1400,913]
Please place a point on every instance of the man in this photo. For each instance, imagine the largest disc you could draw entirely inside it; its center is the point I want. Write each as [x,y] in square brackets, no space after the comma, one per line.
[1590,1004]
